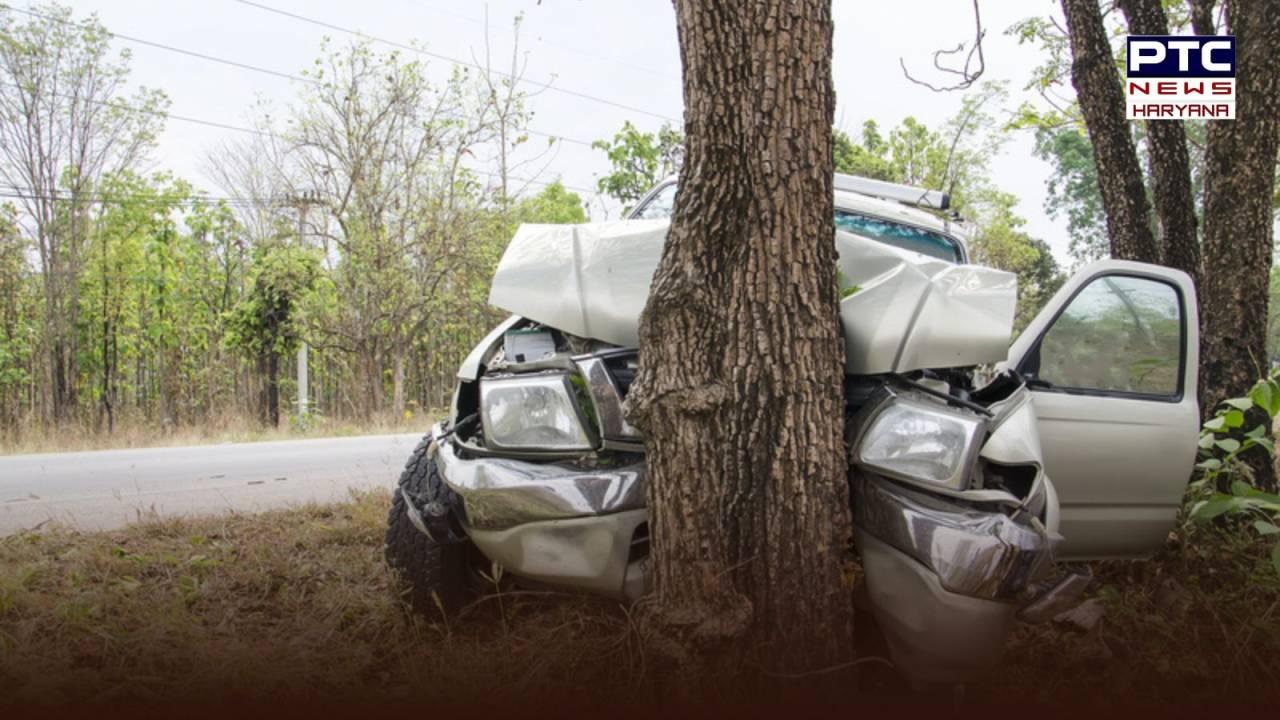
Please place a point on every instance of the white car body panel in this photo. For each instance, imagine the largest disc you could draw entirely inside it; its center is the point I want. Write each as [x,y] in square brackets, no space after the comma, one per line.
[910,311]
[1119,464]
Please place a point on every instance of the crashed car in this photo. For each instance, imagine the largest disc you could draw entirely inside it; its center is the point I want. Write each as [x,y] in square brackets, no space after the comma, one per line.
[978,471]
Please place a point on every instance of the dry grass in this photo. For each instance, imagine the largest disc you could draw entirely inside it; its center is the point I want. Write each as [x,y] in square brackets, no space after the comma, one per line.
[275,605]
[1200,623]
[138,434]
[298,604]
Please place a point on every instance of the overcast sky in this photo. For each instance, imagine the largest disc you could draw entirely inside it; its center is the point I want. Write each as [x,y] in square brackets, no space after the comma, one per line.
[622,51]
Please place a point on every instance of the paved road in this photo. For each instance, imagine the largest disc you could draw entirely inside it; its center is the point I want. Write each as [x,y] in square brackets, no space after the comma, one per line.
[107,489]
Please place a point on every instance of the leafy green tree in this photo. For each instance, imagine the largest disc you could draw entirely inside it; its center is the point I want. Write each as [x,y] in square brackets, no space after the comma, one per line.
[386,151]
[866,158]
[1073,190]
[17,320]
[639,160]
[554,205]
[1001,241]
[266,325]
[64,127]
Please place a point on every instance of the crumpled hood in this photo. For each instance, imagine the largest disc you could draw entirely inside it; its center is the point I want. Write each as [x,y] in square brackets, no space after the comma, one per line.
[910,311]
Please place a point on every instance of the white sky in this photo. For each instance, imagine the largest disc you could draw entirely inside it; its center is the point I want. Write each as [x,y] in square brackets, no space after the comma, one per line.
[621,50]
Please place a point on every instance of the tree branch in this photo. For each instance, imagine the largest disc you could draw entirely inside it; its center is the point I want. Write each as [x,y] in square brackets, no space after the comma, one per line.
[968,74]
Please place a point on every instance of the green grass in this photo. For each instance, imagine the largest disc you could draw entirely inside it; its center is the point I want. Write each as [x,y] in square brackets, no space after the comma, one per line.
[298,604]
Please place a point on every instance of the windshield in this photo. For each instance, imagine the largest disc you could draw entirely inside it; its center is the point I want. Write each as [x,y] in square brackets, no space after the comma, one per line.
[906,237]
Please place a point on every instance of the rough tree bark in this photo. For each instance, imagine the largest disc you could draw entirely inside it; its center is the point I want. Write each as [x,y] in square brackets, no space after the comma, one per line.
[1170,161]
[1101,97]
[740,391]
[1202,16]
[1240,171]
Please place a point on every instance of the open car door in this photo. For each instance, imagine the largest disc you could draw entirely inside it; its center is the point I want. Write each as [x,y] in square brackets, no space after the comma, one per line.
[1111,362]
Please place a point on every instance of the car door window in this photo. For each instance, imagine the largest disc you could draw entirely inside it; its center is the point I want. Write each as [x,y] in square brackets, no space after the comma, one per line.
[1120,334]
[661,205]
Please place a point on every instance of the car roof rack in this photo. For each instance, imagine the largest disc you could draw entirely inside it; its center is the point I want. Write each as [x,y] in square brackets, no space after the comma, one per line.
[919,197]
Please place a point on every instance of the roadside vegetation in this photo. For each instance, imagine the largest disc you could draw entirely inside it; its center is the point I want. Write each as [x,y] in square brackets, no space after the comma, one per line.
[228,429]
[298,604]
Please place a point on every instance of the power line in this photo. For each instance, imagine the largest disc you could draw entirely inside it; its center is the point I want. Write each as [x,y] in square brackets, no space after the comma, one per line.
[242,66]
[255,131]
[586,53]
[455,61]
[101,197]
[170,48]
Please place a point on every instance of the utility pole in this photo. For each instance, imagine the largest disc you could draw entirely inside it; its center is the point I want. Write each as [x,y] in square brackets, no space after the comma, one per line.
[302,202]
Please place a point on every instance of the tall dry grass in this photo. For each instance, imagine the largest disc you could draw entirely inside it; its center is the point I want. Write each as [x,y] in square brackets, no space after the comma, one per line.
[78,436]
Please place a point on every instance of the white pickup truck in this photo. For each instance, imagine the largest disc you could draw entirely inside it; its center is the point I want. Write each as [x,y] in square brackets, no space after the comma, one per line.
[965,495]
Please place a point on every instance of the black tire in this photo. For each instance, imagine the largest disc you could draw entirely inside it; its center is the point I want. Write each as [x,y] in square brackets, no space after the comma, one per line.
[436,576]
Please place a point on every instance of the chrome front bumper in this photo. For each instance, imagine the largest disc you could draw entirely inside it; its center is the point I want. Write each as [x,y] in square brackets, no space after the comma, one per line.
[501,493]
[978,553]
[558,524]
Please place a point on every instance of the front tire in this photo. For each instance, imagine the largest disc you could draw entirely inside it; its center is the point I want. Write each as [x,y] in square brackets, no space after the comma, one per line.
[435,575]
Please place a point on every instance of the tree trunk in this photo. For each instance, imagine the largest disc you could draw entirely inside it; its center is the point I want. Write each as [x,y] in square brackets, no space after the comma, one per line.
[1170,162]
[397,383]
[740,390]
[1240,167]
[273,389]
[1101,97]
[1202,17]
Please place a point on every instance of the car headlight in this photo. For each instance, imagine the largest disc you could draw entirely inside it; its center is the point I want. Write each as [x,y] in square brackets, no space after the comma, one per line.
[913,440]
[532,412]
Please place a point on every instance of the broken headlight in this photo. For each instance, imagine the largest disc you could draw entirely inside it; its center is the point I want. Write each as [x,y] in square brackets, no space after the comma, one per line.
[532,412]
[922,441]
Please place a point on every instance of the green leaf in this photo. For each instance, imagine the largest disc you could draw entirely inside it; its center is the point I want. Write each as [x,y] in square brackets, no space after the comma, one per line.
[1257,432]
[1215,423]
[1229,445]
[1213,508]
[1265,528]
[1275,557]
[1240,403]
[1210,464]
[1264,395]
[1239,488]
[1206,441]
[1233,419]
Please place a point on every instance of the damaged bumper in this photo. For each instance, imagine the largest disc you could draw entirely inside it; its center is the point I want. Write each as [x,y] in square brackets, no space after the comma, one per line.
[973,552]
[500,493]
[949,572]
[559,524]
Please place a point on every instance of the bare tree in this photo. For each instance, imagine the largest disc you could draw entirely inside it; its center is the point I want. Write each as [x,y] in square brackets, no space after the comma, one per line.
[386,152]
[255,172]
[64,125]
[740,391]
[506,116]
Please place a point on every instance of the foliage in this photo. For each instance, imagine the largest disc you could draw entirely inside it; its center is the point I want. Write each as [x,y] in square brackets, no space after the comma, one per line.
[1001,242]
[18,330]
[868,157]
[65,126]
[267,321]
[639,160]
[956,159]
[1223,445]
[554,204]
[1073,190]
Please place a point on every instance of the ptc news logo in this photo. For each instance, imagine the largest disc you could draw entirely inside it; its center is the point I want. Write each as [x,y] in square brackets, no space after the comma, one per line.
[1181,77]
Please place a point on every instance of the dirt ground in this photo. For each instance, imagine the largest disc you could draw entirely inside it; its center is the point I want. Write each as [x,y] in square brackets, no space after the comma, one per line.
[298,605]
